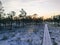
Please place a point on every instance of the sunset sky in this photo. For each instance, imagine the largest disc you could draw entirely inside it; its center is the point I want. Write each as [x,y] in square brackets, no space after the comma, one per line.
[41,7]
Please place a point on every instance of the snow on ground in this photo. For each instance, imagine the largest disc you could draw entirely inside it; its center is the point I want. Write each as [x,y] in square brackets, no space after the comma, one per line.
[54,34]
[28,35]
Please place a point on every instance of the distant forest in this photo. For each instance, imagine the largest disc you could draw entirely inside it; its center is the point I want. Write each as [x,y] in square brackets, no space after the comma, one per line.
[22,19]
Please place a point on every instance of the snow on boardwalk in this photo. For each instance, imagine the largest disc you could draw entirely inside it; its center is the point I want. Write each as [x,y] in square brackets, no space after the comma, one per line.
[46,38]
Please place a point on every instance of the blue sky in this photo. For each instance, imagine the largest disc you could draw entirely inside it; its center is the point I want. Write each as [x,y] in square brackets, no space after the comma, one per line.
[41,7]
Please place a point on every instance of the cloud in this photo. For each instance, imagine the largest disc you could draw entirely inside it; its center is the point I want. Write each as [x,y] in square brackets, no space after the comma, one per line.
[32,6]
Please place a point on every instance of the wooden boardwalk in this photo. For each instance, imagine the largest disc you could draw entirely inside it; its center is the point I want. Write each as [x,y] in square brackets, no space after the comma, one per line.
[46,38]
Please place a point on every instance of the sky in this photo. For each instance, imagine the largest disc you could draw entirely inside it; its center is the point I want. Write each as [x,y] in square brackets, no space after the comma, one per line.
[41,7]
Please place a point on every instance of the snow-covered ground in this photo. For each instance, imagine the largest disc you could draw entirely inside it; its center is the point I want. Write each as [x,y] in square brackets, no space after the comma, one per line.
[54,34]
[27,35]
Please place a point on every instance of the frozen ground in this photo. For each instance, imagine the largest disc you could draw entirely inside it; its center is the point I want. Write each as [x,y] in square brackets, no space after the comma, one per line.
[54,34]
[28,35]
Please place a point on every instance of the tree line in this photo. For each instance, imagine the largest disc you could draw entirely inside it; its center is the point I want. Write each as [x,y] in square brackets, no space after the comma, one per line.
[22,19]
[54,19]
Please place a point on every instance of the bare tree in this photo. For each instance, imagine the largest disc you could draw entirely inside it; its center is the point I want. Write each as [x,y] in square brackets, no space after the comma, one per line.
[23,15]
[10,16]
